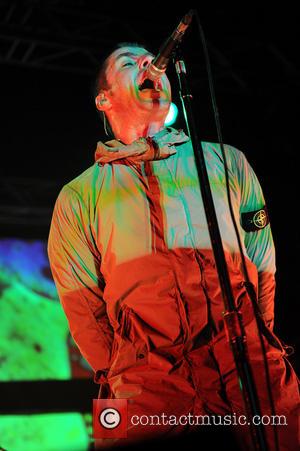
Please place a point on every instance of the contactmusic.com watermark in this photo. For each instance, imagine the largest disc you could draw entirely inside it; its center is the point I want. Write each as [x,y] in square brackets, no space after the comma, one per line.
[111,419]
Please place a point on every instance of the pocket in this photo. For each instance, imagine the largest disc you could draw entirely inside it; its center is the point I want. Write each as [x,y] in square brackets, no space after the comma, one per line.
[130,350]
[124,322]
[251,315]
[133,329]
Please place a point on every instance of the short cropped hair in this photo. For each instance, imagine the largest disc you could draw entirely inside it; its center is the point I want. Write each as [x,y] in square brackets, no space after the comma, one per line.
[102,83]
[101,80]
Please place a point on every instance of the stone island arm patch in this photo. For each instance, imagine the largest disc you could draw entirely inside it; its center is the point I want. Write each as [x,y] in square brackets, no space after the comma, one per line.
[253,221]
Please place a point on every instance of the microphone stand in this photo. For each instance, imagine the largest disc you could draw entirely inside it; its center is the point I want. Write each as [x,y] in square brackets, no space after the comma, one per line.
[232,317]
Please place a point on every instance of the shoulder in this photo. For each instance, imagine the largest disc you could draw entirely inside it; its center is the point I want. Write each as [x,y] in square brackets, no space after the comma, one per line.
[79,189]
[84,181]
[235,158]
[230,151]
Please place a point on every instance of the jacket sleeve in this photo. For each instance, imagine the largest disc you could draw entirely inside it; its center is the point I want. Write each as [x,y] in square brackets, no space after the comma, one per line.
[75,266]
[259,242]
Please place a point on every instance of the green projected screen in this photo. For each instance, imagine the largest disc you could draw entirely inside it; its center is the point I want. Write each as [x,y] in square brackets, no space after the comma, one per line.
[35,344]
[45,432]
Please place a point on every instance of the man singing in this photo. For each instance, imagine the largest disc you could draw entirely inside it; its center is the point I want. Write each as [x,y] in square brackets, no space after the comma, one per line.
[132,260]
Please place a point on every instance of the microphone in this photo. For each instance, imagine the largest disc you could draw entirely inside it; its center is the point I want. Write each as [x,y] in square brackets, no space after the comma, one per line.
[159,65]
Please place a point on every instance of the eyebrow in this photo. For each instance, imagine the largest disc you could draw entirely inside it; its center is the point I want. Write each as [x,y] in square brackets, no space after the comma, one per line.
[130,54]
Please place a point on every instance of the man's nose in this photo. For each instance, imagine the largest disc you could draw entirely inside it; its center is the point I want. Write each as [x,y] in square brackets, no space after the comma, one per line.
[145,61]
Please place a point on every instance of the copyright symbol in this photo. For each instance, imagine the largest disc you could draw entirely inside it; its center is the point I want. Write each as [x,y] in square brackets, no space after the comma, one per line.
[109,418]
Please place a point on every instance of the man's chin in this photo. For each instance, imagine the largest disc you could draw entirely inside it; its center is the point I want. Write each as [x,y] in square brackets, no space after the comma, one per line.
[151,94]
[154,103]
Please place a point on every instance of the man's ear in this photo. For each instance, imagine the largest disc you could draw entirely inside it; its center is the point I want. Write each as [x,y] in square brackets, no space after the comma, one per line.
[102,101]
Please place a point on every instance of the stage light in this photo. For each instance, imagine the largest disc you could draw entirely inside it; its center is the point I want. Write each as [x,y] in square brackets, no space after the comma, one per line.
[172,114]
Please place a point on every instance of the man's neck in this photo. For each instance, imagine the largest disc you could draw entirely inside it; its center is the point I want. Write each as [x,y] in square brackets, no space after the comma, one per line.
[127,133]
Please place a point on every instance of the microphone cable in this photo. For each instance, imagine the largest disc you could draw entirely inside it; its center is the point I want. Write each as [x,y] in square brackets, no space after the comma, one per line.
[250,289]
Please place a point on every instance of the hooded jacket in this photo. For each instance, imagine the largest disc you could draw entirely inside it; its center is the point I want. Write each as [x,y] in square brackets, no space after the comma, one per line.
[131,256]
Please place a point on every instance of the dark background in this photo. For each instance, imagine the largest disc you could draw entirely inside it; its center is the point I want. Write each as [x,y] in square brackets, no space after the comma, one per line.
[49,53]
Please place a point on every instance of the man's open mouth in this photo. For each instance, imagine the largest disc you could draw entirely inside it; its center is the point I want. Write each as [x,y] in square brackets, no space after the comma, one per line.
[149,84]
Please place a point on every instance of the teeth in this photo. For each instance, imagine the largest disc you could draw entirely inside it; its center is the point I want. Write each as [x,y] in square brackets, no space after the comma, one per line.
[157,85]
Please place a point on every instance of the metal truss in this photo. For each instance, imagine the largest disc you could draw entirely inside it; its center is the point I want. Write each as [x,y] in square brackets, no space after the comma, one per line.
[70,36]
[49,35]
